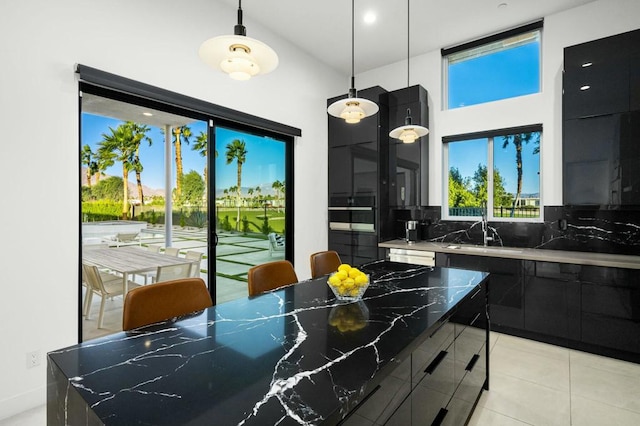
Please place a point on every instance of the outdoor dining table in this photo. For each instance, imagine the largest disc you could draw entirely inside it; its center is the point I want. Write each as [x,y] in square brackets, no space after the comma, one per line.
[129,260]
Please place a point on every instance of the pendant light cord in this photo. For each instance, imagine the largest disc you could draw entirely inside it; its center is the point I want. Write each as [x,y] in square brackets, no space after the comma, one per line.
[408,38]
[353,79]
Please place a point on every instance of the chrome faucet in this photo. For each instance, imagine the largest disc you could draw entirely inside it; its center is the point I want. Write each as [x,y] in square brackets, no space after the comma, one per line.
[485,226]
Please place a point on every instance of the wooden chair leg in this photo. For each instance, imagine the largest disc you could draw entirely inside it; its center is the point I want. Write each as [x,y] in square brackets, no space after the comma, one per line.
[101,312]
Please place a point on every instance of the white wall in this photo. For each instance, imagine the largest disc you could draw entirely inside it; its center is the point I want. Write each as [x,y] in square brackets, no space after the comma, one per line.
[592,21]
[152,41]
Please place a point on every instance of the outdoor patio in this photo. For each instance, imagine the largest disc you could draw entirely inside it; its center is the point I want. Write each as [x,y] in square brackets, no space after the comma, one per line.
[236,253]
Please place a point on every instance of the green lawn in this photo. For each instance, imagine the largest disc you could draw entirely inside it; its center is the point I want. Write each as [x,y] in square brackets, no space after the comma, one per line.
[255,218]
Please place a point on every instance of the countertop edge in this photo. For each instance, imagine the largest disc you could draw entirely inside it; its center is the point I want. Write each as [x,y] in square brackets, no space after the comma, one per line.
[544,255]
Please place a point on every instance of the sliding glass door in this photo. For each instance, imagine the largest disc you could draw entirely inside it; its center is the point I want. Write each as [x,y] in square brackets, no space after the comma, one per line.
[250,206]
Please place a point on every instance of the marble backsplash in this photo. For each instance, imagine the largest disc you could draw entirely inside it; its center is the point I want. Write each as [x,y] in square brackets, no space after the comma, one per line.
[564,228]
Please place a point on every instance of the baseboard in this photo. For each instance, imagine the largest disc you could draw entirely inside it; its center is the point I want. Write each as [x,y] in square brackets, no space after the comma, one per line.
[23,402]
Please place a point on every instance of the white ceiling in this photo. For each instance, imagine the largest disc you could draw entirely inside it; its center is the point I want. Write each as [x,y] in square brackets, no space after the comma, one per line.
[323,27]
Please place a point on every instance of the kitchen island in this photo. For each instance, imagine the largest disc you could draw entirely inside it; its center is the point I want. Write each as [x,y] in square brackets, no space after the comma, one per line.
[292,356]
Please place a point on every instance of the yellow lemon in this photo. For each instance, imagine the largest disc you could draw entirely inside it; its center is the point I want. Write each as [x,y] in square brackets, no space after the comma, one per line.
[354,272]
[334,280]
[342,275]
[361,279]
[344,267]
[354,292]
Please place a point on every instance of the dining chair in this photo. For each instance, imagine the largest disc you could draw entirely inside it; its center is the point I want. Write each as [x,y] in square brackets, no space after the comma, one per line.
[324,262]
[102,288]
[269,276]
[276,243]
[172,272]
[88,294]
[154,249]
[163,301]
[196,257]
[172,251]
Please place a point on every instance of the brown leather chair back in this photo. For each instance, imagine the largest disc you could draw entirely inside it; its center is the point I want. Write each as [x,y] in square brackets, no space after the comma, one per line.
[324,262]
[270,275]
[162,301]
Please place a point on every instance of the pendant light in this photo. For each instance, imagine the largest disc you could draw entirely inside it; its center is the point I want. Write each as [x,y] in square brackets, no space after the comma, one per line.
[408,133]
[239,56]
[352,109]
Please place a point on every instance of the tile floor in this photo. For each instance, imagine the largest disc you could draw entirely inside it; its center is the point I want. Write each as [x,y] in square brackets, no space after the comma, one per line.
[531,384]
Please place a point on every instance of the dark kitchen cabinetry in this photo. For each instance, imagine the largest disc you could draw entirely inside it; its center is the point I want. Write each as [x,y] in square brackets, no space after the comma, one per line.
[601,122]
[506,298]
[552,299]
[440,382]
[408,162]
[610,314]
[357,155]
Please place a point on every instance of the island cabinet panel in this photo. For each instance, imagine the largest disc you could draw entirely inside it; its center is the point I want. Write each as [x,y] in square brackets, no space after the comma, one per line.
[611,308]
[446,373]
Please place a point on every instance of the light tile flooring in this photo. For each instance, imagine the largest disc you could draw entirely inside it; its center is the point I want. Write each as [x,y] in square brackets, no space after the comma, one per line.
[531,384]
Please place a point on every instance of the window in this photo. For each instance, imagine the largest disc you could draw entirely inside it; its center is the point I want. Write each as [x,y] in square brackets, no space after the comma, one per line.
[501,66]
[498,171]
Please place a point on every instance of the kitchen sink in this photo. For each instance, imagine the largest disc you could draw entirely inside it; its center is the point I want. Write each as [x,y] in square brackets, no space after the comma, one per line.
[485,249]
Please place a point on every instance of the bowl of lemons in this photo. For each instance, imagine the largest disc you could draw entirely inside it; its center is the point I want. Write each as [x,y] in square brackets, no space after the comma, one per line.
[348,283]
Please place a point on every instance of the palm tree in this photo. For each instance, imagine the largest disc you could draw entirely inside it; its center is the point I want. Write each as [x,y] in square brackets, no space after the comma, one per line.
[518,140]
[278,186]
[120,145]
[88,159]
[259,192]
[200,146]
[139,132]
[250,192]
[180,134]
[236,150]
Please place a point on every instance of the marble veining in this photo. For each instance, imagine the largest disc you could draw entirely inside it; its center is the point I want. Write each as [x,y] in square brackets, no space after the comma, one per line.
[271,359]
[571,228]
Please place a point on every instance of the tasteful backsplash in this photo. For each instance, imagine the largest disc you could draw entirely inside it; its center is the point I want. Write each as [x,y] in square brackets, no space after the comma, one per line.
[564,228]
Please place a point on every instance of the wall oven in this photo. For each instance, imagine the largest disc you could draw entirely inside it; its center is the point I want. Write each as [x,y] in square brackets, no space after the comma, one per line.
[352,214]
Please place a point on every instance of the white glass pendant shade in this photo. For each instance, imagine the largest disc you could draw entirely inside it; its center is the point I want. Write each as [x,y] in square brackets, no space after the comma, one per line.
[409,133]
[352,110]
[239,56]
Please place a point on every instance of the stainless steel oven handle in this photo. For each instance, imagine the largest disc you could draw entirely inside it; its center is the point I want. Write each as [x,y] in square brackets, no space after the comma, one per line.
[351,208]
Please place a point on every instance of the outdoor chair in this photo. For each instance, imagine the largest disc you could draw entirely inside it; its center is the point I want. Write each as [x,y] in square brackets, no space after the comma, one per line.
[172,272]
[102,288]
[324,262]
[196,257]
[128,238]
[276,243]
[164,301]
[172,251]
[270,275]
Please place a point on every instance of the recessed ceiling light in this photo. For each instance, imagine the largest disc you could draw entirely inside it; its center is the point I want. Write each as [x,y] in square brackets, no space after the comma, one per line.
[585,88]
[502,5]
[587,64]
[369,17]
[148,114]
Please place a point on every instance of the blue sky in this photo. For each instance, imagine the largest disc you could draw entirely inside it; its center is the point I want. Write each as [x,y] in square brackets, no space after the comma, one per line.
[503,74]
[264,162]
[152,157]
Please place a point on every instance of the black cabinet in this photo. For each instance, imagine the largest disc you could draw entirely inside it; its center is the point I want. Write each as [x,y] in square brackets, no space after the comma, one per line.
[552,299]
[442,379]
[408,162]
[611,308]
[596,77]
[601,122]
[506,298]
[358,159]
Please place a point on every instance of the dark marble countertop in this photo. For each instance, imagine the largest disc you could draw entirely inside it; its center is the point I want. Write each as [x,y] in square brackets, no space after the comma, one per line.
[295,356]
[536,254]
